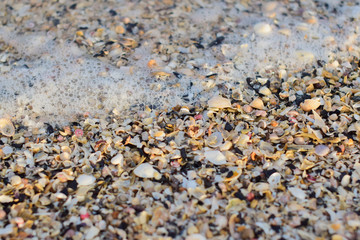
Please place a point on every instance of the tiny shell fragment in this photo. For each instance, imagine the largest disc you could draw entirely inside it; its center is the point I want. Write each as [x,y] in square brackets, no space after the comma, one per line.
[6,127]
[274,179]
[118,159]
[310,104]
[257,103]
[219,102]
[215,157]
[146,170]
[297,192]
[85,180]
[322,150]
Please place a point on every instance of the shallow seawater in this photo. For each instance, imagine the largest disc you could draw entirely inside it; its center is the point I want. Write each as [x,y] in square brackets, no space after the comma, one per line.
[208,50]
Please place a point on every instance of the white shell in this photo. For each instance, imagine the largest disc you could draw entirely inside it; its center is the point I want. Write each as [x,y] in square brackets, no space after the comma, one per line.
[274,179]
[118,159]
[297,192]
[215,157]
[146,170]
[322,150]
[215,139]
[195,236]
[262,29]
[345,180]
[6,127]
[85,180]
[219,102]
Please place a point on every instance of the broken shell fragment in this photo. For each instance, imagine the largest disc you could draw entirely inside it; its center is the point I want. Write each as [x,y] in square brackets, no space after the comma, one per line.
[146,170]
[322,150]
[85,180]
[6,127]
[219,102]
[310,104]
[215,157]
[274,179]
[118,159]
[257,103]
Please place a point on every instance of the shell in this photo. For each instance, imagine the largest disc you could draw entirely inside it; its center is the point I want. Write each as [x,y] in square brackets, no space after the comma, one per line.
[85,180]
[215,157]
[215,140]
[322,150]
[118,159]
[274,179]
[297,192]
[6,127]
[265,91]
[262,29]
[257,103]
[219,102]
[146,170]
[306,164]
[310,104]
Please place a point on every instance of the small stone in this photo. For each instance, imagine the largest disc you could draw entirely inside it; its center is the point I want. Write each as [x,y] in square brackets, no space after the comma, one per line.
[345,180]
[85,180]
[118,159]
[322,150]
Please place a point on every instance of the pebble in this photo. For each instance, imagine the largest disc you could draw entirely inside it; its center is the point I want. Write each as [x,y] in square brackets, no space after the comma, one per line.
[85,180]
[262,29]
[322,150]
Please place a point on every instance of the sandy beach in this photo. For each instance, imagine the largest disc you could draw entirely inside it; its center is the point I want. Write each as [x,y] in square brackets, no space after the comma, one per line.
[179,119]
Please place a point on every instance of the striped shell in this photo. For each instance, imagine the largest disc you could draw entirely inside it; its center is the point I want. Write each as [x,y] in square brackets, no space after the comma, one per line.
[310,104]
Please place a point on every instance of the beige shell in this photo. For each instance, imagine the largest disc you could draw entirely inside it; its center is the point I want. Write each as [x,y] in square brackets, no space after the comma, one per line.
[310,104]
[219,102]
[6,127]
[257,103]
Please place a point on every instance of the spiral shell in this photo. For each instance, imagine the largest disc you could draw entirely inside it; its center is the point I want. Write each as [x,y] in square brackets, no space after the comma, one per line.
[6,127]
